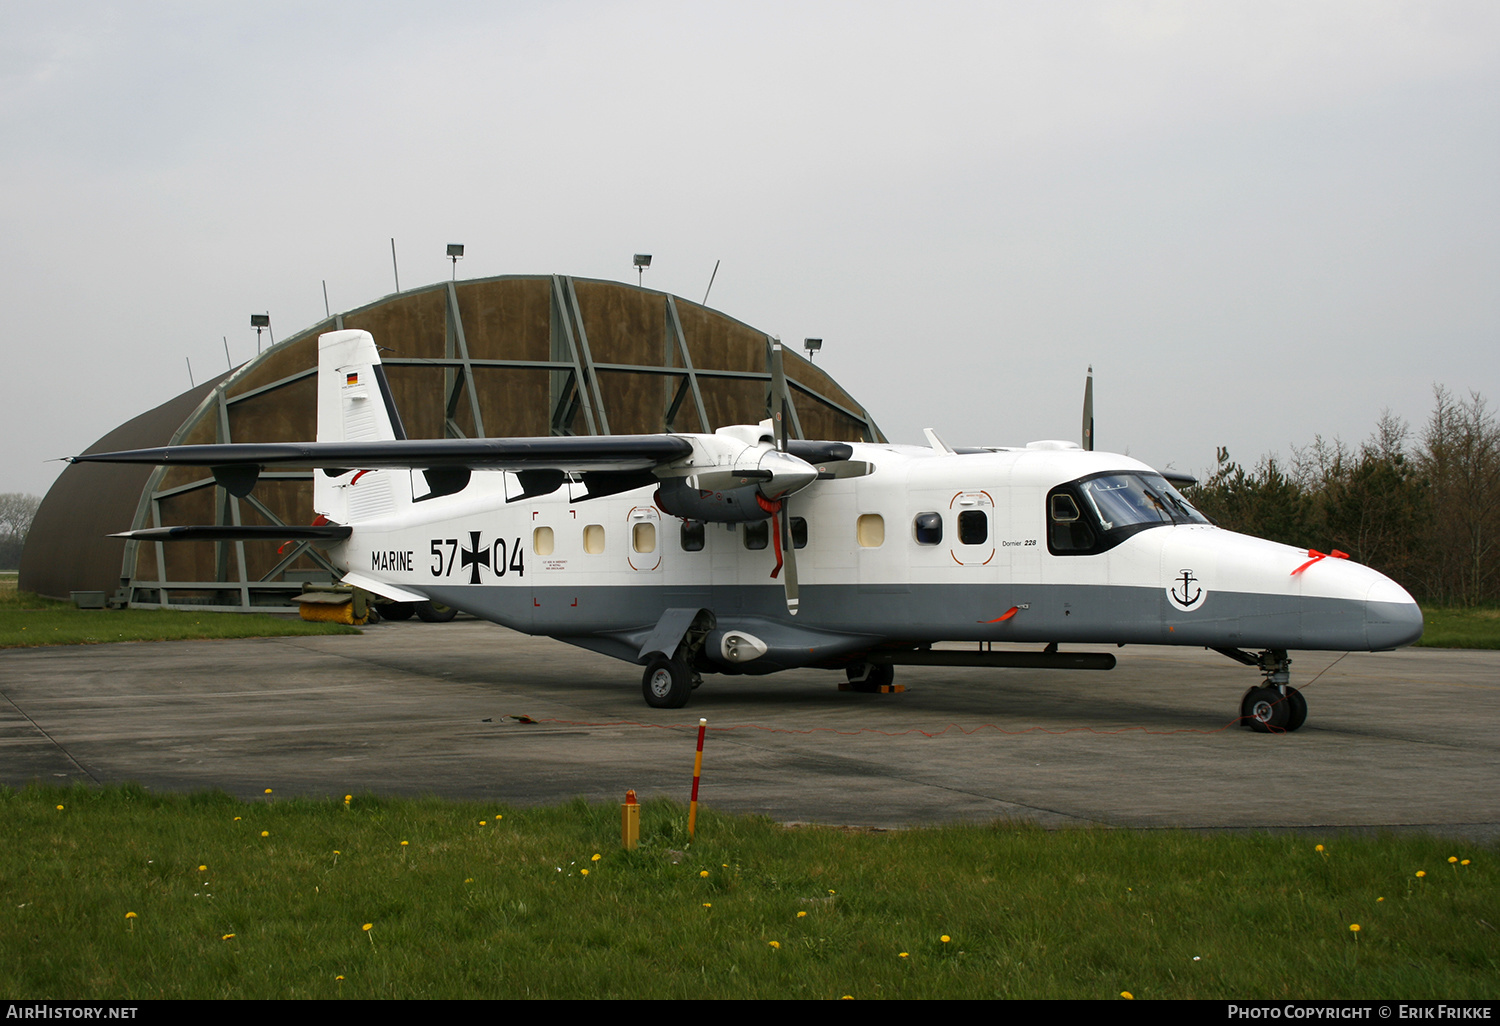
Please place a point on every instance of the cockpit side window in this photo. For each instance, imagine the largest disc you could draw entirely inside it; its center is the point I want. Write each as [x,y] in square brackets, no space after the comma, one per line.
[1068,533]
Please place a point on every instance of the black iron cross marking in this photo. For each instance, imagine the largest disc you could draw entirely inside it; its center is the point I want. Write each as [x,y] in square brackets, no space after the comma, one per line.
[475,557]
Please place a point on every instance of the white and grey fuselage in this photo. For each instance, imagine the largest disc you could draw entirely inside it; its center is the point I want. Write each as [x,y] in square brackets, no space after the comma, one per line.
[1044,544]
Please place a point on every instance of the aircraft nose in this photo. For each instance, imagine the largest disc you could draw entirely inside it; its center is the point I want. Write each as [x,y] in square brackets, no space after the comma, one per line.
[1392,617]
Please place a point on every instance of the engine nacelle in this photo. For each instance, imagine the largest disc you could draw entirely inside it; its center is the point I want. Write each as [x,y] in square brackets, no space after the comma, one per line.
[680,498]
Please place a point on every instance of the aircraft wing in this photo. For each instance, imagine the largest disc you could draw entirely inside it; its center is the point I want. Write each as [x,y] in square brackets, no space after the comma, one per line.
[571,454]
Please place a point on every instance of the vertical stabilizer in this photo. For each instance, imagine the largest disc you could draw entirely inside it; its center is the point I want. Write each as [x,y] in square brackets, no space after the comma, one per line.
[355,405]
[354,400]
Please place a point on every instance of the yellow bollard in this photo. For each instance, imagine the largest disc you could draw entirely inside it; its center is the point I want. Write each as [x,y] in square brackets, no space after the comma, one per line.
[630,822]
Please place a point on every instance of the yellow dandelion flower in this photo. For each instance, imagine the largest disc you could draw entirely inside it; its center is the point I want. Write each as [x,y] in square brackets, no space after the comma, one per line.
[583,872]
[236,819]
[347,798]
[405,843]
[1465,862]
[596,857]
[482,823]
[1318,848]
[945,938]
[847,997]
[801,915]
[59,808]
[268,790]
[903,955]
[368,927]
[1379,899]
[1421,873]
[469,880]
[1452,858]
[203,869]
[227,936]
[776,945]
[704,873]
[1127,995]
[1353,927]
[131,915]
[708,904]
[265,833]
[339,978]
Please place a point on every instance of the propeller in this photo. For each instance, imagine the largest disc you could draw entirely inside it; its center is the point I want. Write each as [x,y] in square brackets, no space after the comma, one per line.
[1088,411]
[786,550]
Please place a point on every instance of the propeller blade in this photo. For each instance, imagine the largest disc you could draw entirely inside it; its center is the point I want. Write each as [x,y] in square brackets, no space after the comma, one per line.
[789,555]
[724,480]
[779,393]
[1088,412]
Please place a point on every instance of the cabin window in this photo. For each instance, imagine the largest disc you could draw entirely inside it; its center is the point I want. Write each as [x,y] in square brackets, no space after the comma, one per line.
[643,537]
[593,539]
[758,534]
[973,527]
[928,528]
[799,532]
[542,541]
[870,530]
[692,536]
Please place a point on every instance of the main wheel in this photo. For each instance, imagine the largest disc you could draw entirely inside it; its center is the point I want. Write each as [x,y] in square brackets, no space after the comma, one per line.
[1296,709]
[666,684]
[433,612]
[1269,710]
[870,677]
[398,610]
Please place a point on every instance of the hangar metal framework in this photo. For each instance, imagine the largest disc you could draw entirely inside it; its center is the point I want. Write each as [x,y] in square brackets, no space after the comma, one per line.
[515,355]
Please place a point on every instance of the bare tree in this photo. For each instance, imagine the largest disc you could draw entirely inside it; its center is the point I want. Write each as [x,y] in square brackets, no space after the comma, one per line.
[17,511]
[1461,462]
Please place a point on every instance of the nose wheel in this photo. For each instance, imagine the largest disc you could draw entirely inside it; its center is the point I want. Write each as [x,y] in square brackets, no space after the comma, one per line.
[1273,710]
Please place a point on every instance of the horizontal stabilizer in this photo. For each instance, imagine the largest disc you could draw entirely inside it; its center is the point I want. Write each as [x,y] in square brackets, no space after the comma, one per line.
[384,589]
[231,532]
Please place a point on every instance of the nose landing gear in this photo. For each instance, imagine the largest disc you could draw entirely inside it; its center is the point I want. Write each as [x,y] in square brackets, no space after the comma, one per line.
[1273,707]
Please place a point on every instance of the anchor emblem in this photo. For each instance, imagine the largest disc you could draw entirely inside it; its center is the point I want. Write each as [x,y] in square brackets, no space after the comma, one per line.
[1189,596]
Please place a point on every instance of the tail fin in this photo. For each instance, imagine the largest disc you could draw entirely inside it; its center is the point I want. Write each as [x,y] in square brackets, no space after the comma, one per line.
[355,405]
[354,399]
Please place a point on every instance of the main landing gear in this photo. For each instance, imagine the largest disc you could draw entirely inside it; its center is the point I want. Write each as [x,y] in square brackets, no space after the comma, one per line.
[1273,707]
[870,678]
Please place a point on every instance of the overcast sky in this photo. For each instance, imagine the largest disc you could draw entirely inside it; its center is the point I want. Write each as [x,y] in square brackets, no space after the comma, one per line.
[1259,222]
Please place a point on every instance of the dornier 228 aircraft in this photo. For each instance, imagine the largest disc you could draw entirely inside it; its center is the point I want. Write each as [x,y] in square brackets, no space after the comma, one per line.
[745,552]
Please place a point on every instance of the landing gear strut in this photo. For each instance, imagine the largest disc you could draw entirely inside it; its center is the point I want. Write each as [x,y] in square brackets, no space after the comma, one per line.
[1273,707]
[870,678]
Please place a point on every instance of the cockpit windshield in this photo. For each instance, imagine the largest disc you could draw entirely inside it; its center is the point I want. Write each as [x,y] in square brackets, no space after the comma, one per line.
[1122,500]
[1097,513]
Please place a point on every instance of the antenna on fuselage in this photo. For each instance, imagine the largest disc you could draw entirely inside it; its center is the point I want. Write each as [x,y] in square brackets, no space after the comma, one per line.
[1088,411]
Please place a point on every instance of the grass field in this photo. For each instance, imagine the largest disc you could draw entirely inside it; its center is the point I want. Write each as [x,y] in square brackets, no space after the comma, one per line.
[122,894]
[1454,627]
[27,621]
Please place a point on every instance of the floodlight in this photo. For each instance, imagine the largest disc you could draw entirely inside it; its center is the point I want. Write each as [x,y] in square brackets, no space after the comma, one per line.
[455,253]
[812,345]
[260,322]
[642,261]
